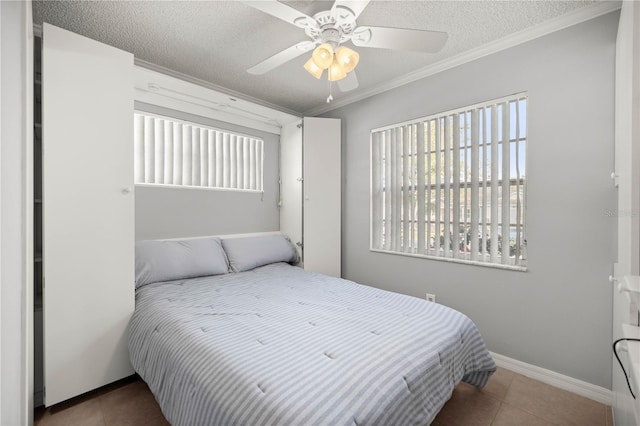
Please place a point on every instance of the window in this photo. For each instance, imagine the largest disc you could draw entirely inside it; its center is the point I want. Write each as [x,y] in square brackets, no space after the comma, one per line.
[451,186]
[177,153]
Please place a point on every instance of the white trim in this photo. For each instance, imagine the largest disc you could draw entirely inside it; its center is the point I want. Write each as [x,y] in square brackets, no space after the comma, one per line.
[465,261]
[13,81]
[228,236]
[2,238]
[520,37]
[28,223]
[207,188]
[579,387]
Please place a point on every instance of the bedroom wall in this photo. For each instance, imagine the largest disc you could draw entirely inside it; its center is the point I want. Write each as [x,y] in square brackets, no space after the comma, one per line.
[186,212]
[558,314]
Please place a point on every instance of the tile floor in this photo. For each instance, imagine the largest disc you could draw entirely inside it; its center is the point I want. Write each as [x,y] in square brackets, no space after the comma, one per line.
[509,399]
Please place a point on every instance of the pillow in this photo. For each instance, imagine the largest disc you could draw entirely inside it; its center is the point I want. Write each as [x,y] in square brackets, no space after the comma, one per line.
[166,260]
[246,253]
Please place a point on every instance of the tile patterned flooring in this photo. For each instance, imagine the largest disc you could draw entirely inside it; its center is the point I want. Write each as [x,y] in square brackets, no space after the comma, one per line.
[509,399]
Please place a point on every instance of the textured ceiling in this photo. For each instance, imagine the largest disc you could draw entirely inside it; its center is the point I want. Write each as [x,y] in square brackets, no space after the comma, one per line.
[217,41]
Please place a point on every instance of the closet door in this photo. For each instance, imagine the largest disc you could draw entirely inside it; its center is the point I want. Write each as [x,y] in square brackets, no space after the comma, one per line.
[88,211]
[627,161]
[322,193]
[291,183]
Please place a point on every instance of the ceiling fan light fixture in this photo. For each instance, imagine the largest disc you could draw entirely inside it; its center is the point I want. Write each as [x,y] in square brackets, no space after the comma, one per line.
[323,56]
[336,71]
[347,58]
[313,69]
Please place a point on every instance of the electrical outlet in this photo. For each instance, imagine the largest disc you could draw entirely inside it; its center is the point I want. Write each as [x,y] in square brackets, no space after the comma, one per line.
[430,297]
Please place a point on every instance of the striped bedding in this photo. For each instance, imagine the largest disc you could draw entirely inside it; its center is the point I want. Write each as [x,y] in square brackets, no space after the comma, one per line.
[280,346]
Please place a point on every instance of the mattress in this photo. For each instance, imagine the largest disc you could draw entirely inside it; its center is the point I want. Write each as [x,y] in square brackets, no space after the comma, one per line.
[280,346]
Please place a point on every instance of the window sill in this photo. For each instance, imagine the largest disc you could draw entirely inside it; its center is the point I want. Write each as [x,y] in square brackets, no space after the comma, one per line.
[460,261]
[206,188]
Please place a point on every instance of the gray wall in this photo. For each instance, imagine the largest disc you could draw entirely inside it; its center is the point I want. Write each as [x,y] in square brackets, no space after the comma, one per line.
[187,212]
[558,315]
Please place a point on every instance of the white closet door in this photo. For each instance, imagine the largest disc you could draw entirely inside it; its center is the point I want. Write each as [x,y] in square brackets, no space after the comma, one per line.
[322,195]
[291,182]
[88,213]
[627,159]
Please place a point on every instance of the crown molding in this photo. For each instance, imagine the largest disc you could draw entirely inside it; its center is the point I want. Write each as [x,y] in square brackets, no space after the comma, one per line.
[556,24]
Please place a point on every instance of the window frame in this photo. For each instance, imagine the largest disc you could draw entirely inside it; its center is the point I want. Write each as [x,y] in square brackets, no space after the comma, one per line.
[211,128]
[462,184]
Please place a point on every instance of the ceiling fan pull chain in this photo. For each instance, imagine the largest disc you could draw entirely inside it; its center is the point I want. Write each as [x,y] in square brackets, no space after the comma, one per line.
[330,98]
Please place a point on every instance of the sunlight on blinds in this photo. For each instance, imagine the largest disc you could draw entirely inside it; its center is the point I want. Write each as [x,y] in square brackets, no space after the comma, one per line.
[451,186]
[171,152]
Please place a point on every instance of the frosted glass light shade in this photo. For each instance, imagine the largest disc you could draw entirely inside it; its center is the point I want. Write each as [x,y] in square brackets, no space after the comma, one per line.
[313,69]
[323,55]
[347,58]
[336,71]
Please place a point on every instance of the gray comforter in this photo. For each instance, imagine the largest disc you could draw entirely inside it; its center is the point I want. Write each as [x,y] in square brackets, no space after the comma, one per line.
[277,345]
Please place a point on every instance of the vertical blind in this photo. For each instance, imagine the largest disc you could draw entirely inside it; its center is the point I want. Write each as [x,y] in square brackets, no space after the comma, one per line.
[452,185]
[171,152]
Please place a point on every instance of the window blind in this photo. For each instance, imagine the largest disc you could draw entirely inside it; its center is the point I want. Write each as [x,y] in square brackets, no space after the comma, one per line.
[171,152]
[451,186]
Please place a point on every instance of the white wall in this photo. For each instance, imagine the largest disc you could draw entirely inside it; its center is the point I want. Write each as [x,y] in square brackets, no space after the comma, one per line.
[13,138]
[180,212]
[558,314]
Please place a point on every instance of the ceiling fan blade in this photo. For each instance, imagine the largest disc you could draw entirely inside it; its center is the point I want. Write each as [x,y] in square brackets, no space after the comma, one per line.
[348,9]
[399,39]
[282,11]
[281,57]
[350,82]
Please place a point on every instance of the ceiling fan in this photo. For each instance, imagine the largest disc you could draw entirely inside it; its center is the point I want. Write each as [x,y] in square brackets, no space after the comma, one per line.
[329,30]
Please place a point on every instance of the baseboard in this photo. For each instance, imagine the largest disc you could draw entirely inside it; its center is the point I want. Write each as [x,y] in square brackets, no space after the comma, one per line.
[588,390]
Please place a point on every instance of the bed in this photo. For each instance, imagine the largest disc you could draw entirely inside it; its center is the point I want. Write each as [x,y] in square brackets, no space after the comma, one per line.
[254,340]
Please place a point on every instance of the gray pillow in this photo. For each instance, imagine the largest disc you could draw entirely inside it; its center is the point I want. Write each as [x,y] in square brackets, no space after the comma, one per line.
[166,260]
[246,253]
